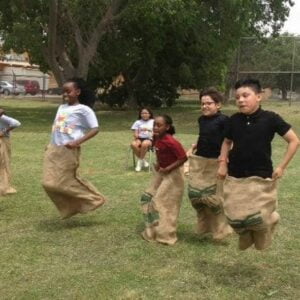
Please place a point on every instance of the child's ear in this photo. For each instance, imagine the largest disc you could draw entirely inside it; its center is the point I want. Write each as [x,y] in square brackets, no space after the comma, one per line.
[259,96]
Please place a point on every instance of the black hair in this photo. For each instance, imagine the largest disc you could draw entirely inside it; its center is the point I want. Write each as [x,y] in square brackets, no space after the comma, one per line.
[213,93]
[254,84]
[149,111]
[86,96]
[168,120]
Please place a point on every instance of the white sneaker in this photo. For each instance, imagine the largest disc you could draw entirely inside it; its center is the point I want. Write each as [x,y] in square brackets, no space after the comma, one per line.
[138,167]
[145,164]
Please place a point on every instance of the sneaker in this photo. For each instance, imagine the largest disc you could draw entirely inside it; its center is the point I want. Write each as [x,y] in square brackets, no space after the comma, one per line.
[138,167]
[145,164]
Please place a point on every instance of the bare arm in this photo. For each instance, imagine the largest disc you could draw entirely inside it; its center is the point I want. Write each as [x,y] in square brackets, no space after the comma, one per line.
[91,133]
[223,158]
[293,143]
[173,166]
[136,134]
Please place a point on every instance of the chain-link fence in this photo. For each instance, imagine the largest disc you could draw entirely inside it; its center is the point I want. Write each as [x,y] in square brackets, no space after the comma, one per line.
[274,61]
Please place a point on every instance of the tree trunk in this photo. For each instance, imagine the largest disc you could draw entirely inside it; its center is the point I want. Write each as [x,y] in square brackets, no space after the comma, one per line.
[58,59]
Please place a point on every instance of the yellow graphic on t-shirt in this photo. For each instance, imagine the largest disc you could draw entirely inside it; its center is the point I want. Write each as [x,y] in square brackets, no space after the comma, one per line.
[61,124]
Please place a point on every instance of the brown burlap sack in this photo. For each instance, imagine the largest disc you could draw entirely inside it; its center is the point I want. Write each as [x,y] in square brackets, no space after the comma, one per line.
[69,193]
[250,206]
[205,194]
[161,204]
[5,171]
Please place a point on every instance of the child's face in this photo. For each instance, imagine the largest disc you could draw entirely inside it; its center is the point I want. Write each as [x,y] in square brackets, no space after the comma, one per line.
[247,100]
[70,93]
[160,127]
[145,115]
[208,106]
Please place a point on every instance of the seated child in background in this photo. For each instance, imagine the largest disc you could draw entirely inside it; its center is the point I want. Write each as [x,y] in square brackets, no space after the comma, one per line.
[204,191]
[162,200]
[143,132]
[6,125]
[250,196]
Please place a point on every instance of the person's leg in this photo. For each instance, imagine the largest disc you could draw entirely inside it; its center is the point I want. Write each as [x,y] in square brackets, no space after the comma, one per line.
[144,148]
[136,147]
[146,144]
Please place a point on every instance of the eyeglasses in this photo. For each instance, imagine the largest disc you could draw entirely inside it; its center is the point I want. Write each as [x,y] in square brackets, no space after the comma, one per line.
[145,113]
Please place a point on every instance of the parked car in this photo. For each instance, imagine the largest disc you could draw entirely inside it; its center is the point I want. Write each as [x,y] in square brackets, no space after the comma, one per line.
[32,87]
[55,91]
[8,88]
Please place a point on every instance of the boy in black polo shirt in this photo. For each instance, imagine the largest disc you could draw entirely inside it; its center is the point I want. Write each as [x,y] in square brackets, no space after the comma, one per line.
[204,190]
[250,187]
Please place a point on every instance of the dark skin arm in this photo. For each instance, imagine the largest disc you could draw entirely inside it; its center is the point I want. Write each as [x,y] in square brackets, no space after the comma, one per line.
[171,167]
[87,136]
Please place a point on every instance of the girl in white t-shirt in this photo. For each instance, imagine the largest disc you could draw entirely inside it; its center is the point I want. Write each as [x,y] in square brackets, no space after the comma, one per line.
[6,125]
[74,124]
[143,132]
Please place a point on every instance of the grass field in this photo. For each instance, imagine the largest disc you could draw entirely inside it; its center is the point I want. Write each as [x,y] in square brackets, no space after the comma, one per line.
[101,255]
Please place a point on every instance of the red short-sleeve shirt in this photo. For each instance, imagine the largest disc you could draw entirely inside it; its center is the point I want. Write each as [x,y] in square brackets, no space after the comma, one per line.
[168,150]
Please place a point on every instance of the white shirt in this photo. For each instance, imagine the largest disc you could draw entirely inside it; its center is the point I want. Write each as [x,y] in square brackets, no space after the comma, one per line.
[144,128]
[8,122]
[71,123]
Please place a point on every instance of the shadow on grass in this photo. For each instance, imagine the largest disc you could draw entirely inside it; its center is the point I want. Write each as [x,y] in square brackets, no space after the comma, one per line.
[53,225]
[237,275]
[190,237]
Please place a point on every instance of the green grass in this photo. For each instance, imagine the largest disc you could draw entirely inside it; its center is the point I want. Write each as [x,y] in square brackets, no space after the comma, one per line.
[101,255]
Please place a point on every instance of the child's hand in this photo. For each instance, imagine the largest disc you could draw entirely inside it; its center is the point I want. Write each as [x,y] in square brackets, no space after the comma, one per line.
[72,145]
[1,112]
[278,172]
[222,171]
[156,167]
[164,170]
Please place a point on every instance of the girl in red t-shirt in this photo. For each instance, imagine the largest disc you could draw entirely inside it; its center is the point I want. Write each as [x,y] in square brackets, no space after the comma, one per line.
[161,201]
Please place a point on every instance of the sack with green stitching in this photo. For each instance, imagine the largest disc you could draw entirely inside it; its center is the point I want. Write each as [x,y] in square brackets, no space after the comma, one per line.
[160,205]
[250,206]
[205,194]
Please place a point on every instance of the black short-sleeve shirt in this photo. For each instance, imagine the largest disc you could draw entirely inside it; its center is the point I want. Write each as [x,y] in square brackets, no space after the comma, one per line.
[211,135]
[252,136]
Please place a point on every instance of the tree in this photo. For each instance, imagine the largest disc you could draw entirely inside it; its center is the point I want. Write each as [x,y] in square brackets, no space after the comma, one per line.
[156,45]
[280,54]
[60,35]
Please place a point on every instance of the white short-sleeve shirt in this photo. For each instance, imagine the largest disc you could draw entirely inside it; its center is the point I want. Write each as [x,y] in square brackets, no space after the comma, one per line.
[8,122]
[71,123]
[144,128]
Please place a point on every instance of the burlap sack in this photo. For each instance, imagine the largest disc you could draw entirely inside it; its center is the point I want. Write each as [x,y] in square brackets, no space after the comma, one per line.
[69,193]
[205,194]
[161,204]
[250,206]
[5,171]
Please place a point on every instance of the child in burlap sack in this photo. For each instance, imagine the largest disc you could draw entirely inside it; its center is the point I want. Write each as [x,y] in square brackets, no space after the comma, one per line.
[74,124]
[250,195]
[162,199]
[204,190]
[7,124]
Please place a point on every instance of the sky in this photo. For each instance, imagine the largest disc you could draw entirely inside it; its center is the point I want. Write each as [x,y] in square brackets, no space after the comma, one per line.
[292,25]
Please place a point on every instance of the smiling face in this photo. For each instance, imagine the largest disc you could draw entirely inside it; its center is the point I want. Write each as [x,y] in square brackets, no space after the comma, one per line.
[160,127]
[208,106]
[71,93]
[247,100]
